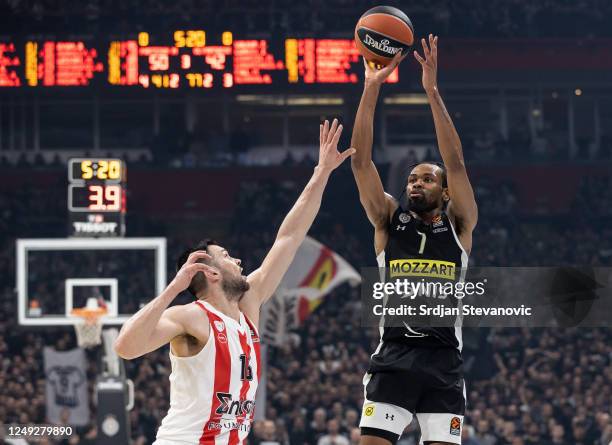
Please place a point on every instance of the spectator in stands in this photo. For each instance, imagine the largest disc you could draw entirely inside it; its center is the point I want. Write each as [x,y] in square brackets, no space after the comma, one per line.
[333,436]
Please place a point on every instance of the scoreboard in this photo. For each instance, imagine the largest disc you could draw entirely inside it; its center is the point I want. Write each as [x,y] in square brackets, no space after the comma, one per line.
[189,58]
[96,197]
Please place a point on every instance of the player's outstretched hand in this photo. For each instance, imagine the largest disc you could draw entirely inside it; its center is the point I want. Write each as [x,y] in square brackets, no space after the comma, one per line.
[329,156]
[429,63]
[190,269]
[378,76]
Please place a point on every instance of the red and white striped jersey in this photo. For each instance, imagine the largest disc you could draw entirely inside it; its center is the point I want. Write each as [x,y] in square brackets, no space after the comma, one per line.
[212,394]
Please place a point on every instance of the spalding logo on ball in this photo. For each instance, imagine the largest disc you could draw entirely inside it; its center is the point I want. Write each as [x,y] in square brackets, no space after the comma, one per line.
[381,32]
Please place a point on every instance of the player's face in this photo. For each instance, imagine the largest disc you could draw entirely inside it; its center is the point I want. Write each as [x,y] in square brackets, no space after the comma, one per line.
[424,188]
[233,282]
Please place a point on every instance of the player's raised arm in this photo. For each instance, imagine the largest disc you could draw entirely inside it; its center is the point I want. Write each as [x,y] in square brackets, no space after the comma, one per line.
[264,281]
[372,195]
[462,207]
[155,325]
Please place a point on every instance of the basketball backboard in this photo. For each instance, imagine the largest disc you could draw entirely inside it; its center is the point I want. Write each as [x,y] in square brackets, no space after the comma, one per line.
[55,276]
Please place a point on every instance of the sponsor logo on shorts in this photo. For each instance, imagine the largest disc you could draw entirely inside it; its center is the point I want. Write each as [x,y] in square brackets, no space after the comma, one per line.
[368,410]
[389,416]
[219,325]
[455,426]
[422,268]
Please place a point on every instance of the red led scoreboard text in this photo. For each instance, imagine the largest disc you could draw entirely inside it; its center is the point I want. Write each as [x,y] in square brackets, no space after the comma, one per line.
[190,61]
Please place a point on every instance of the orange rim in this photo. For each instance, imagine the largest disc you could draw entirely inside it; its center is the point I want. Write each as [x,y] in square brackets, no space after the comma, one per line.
[90,315]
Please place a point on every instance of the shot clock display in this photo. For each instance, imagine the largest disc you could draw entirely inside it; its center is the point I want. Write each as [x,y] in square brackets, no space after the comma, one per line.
[96,197]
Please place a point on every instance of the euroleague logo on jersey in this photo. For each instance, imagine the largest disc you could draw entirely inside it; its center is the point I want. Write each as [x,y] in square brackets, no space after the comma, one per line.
[220,327]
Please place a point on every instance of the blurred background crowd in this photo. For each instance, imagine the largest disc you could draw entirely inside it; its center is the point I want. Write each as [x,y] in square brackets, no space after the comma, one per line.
[499,18]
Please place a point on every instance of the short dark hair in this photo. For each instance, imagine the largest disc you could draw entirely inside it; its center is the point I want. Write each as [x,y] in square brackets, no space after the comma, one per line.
[198,282]
[438,164]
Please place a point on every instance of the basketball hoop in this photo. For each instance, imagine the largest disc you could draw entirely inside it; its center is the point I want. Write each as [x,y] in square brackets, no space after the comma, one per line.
[89,328]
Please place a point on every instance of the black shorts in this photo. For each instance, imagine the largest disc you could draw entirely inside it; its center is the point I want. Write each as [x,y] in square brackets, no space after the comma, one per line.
[425,382]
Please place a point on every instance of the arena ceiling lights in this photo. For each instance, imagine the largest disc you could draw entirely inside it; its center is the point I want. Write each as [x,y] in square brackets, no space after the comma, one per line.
[294,101]
[407,99]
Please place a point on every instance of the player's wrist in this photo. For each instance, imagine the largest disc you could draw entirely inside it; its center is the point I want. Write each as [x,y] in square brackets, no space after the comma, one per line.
[321,169]
[173,289]
[430,91]
[372,83]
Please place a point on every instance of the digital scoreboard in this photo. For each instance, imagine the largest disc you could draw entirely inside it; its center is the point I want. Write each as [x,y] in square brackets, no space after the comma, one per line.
[96,197]
[184,59]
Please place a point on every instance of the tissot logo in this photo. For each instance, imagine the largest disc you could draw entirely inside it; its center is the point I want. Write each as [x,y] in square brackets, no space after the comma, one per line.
[88,227]
[383,45]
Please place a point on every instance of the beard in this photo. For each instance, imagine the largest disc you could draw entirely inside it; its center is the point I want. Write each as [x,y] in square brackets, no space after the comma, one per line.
[233,286]
[420,205]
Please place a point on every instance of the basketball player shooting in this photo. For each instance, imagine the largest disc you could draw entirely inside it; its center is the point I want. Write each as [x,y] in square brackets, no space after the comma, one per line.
[214,344]
[416,371]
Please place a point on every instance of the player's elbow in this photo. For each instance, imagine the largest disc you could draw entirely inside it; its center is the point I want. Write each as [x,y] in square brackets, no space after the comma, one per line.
[121,347]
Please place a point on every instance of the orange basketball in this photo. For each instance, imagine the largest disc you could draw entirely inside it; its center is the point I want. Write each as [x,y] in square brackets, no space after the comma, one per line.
[381,32]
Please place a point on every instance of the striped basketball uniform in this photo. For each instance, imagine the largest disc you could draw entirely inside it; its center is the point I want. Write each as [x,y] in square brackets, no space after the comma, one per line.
[212,394]
[417,370]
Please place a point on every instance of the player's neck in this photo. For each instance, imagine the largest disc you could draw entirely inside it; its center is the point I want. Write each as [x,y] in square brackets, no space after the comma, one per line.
[224,305]
[427,217]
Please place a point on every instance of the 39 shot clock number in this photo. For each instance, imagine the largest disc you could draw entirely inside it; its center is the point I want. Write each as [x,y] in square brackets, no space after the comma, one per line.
[96,197]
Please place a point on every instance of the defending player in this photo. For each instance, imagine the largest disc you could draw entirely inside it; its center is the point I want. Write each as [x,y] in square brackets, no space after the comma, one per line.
[214,345]
[416,370]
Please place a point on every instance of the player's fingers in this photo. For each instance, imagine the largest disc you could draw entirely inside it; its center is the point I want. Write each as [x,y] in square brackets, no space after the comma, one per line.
[397,58]
[197,255]
[431,40]
[419,58]
[336,137]
[320,134]
[347,154]
[193,269]
[434,48]
[425,48]
[332,131]
[325,131]
[366,64]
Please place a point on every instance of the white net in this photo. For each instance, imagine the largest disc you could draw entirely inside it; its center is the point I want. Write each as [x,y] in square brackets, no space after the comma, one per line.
[88,331]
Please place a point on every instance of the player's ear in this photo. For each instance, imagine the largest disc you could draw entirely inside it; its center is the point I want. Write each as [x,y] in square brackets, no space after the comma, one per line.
[212,274]
[445,195]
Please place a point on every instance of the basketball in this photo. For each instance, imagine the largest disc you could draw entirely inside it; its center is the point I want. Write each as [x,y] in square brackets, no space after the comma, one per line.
[381,32]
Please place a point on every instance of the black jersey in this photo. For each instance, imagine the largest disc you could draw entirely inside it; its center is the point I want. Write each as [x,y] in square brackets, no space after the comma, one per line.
[411,240]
